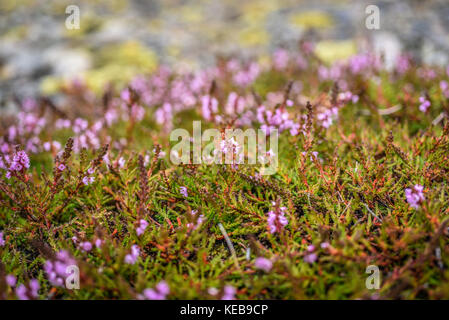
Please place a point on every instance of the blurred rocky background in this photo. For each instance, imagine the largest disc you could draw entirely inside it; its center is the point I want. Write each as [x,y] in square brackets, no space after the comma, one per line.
[118,39]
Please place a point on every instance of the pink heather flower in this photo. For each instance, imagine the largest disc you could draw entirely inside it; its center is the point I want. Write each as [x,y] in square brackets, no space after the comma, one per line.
[415,196]
[311,258]
[276,219]
[311,248]
[183,191]
[229,293]
[55,144]
[121,162]
[21,292]
[444,85]
[11,280]
[327,117]
[79,125]
[125,95]
[56,269]
[209,107]
[137,112]
[360,62]
[2,164]
[314,155]
[47,146]
[403,63]
[2,241]
[164,115]
[141,229]
[86,246]
[61,167]
[235,104]
[199,221]
[244,77]
[34,288]
[91,170]
[88,180]
[324,245]
[19,163]
[279,119]
[229,146]
[159,293]
[163,288]
[263,264]
[62,124]
[280,59]
[425,104]
[30,292]
[132,257]
[98,243]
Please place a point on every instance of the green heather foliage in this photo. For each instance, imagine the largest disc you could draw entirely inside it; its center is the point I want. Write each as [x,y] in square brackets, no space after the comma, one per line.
[349,197]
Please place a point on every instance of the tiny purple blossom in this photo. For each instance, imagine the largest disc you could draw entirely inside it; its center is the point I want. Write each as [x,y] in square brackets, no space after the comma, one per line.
[131,258]
[183,191]
[311,258]
[21,292]
[86,246]
[61,167]
[415,196]
[98,243]
[425,104]
[159,293]
[2,241]
[263,264]
[276,219]
[142,226]
[229,293]
[325,245]
[88,180]
[11,280]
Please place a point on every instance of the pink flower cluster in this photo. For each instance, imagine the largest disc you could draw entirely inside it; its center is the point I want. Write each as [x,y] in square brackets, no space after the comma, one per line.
[57,269]
[244,76]
[263,264]
[311,256]
[143,224]
[327,117]
[131,258]
[199,221]
[444,86]
[183,191]
[89,179]
[228,293]
[276,218]
[415,195]
[278,119]
[425,104]
[160,292]
[19,163]
[28,292]
[209,107]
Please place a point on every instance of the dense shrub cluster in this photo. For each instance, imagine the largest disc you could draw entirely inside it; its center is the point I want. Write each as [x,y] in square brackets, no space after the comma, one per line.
[362,179]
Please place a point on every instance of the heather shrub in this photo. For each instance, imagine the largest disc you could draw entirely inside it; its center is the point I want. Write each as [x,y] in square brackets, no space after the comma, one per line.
[362,179]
